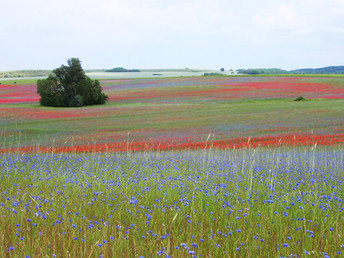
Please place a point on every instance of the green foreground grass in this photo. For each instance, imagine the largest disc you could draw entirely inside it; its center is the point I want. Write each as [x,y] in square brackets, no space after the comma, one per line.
[241,203]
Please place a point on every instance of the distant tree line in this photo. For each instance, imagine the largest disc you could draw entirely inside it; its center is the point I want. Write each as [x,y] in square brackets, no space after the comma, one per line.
[213,74]
[263,71]
[323,70]
[122,70]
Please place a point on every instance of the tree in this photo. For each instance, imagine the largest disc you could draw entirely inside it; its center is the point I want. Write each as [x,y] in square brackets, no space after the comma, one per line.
[222,69]
[68,86]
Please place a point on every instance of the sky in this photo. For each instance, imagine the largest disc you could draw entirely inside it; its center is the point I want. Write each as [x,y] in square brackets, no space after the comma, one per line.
[209,34]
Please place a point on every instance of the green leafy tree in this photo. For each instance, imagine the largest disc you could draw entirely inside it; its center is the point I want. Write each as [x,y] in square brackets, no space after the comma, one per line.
[68,86]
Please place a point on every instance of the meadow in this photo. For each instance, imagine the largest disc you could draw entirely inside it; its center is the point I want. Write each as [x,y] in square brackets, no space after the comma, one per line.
[175,167]
[178,110]
[232,203]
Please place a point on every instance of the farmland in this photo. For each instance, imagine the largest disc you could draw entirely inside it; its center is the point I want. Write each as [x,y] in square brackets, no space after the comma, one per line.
[177,167]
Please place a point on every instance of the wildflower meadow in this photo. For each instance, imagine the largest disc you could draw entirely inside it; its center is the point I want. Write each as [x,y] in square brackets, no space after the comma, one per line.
[175,167]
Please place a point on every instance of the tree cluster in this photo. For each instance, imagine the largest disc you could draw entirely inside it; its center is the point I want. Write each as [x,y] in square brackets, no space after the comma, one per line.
[68,86]
[323,70]
[122,70]
[263,71]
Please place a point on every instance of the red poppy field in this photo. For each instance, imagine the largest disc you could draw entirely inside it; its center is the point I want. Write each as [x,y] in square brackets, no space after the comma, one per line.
[179,113]
[175,167]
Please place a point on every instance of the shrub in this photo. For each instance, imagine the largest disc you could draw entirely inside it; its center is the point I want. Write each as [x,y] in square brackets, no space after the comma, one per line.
[299,99]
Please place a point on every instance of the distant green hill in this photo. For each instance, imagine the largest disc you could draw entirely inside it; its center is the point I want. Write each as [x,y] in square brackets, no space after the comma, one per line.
[323,70]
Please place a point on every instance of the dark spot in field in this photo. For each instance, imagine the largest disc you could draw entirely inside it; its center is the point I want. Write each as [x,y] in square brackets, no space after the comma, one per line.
[299,99]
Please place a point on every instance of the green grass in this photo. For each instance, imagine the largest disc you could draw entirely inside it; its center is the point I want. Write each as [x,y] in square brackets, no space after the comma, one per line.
[211,201]
[251,116]
[18,81]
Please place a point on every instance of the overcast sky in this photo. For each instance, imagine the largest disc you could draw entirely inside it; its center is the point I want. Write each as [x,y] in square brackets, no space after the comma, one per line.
[43,34]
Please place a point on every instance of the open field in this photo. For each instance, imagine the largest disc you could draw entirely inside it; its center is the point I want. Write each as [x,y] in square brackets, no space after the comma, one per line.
[175,167]
[179,110]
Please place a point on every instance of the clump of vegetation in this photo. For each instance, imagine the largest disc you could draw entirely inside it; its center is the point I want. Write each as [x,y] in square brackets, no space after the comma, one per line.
[122,70]
[262,71]
[212,74]
[299,99]
[68,86]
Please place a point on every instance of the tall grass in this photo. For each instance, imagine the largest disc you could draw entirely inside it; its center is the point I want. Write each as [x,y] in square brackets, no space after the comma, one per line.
[249,203]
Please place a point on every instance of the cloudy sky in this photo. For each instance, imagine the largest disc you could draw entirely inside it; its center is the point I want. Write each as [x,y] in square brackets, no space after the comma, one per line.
[43,34]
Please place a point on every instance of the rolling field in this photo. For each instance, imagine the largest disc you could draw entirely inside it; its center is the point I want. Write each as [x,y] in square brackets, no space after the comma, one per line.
[175,167]
[173,111]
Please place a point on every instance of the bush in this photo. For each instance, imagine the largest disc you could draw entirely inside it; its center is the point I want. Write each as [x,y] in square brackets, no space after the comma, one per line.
[68,86]
[299,99]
